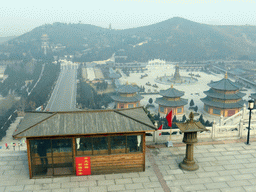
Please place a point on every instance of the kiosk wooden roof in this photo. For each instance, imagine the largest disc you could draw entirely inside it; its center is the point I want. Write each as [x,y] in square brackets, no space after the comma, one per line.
[42,124]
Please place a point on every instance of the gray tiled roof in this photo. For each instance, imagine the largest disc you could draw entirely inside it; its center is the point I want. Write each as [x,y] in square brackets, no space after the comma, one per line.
[215,94]
[171,92]
[164,102]
[208,101]
[127,89]
[253,96]
[114,75]
[224,84]
[119,98]
[84,122]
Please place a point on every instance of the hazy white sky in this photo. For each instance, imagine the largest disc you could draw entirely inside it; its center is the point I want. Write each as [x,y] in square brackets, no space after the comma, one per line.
[20,16]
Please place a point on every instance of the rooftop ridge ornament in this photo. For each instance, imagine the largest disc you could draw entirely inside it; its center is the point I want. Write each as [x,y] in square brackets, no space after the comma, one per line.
[226,75]
[172,86]
[126,83]
[191,117]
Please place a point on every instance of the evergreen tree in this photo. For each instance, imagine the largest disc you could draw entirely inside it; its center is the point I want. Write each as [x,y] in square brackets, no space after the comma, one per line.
[184,118]
[150,100]
[191,103]
[196,108]
[174,119]
[201,119]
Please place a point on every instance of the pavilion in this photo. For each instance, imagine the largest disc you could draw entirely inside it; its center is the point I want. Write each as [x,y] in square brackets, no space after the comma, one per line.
[85,142]
[223,98]
[171,100]
[127,97]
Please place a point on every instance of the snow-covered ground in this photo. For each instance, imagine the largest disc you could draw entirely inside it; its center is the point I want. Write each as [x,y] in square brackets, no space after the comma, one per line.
[90,73]
[189,90]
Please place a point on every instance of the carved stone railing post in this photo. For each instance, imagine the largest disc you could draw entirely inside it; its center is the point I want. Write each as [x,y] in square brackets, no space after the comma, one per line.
[244,111]
[241,127]
[221,120]
[213,129]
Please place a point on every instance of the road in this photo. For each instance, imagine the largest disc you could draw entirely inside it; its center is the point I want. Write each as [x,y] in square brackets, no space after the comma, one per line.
[63,97]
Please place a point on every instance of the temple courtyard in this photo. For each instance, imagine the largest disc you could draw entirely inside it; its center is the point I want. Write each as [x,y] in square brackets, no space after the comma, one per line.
[224,166]
[192,91]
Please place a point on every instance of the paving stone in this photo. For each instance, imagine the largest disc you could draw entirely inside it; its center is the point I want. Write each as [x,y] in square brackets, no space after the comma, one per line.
[129,175]
[207,174]
[248,170]
[45,180]
[175,171]
[186,176]
[51,185]
[15,188]
[153,178]
[158,189]
[74,184]
[154,184]
[218,185]
[84,189]
[244,176]
[2,189]
[12,172]
[7,182]
[248,151]
[217,150]
[234,148]
[252,181]
[61,190]
[223,162]
[250,188]
[134,186]
[228,172]
[236,166]
[114,176]
[98,189]
[238,161]
[96,177]
[62,179]
[238,183]
[106,182]
[141,180]
[144,190]
[193,187]
[221,158]
[123,181]
[211,190]
[178,182]
[116,188]
[233,189]
[201,180]
[176,189]
[206,159]
[229,153]
[247,156]
[32,187]
[212,154]
[214,168]
[169,177]
[250,165]
[88,183]
[223,178]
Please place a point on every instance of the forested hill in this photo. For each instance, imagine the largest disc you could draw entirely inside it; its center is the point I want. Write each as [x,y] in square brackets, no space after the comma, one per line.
[174,39]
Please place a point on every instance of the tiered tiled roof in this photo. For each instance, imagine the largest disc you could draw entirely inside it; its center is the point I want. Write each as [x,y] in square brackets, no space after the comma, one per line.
[218,91]
[128,89]
[171,93]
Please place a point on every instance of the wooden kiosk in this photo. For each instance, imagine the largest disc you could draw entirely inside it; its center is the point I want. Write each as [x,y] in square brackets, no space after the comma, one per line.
[85,142]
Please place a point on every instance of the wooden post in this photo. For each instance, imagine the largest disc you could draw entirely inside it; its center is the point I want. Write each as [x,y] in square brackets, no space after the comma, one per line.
[29,159]
[74,154]
[144,150]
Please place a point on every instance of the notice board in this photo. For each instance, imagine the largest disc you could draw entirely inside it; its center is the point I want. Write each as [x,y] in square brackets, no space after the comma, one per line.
[83,166]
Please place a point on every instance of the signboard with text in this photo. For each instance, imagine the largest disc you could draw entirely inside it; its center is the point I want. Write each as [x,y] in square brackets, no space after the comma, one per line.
[83,166]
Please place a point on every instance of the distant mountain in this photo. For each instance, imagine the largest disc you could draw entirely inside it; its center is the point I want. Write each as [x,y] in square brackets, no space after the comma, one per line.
[4,39]
[175,39]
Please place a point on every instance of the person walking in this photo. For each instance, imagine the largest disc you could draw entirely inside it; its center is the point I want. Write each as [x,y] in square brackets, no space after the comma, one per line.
[13,145]
[6,145]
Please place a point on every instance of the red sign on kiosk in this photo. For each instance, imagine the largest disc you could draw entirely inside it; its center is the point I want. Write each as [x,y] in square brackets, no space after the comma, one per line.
[83,166]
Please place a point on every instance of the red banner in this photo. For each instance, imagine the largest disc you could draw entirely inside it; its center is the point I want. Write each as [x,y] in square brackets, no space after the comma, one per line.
[83,166]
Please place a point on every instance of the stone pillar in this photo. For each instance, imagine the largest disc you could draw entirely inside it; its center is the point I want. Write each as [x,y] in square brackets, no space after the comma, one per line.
[188,162]
[244,111]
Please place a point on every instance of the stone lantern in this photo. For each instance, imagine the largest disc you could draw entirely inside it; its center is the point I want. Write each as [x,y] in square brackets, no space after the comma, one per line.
[190,129]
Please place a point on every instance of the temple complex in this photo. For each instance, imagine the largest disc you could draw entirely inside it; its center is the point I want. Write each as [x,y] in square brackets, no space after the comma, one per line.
[127,97]
[223,98]
[171,100]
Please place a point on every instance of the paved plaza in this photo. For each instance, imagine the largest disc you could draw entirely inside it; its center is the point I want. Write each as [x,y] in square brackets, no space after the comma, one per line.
[224,166]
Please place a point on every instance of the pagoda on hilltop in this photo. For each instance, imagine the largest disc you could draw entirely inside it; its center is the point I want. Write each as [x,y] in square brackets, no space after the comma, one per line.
[171,100]
[127,97]
[223,98]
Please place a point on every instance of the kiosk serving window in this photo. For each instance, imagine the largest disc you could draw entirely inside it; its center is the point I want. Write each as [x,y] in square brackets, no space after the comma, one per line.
[107,145]
[51,157]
